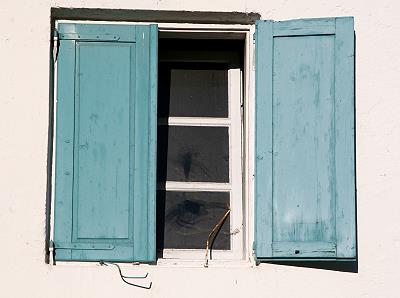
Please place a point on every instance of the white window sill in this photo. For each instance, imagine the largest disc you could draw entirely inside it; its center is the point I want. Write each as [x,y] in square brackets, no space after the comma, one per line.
[200,263]
[169,263]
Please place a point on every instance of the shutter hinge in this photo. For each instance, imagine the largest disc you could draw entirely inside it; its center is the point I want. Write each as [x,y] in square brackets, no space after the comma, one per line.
[84,246]
[254,255]
[56,45]
[253,62]
[52,260]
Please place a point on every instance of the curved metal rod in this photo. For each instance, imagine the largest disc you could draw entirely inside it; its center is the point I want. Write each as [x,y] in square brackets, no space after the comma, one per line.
[123,277]
[216,228]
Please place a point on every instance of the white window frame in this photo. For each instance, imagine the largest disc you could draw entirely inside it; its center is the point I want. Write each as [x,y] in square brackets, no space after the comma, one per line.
[243,256]
[234,124]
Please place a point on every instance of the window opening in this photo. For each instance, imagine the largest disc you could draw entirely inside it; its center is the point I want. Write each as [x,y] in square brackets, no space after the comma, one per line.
[199,147]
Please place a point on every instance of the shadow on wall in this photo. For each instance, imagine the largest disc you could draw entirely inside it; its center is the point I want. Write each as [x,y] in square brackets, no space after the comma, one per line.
[342,266]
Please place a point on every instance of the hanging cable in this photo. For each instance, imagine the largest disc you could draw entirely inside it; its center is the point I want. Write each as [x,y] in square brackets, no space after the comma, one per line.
[123,277]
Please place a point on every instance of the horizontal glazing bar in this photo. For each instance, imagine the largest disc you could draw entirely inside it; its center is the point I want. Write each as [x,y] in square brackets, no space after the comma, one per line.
[193,186]
[195,121]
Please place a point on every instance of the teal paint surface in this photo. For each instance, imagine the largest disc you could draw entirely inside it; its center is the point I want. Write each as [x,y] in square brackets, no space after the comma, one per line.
[144,124]
[305,192]
[345,145]
[121,33]
[102,148]
[105,145]
[263,139]
[303,118]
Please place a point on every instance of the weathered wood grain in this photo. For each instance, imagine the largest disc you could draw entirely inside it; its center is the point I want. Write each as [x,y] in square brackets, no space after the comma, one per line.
[309,107]
[106,135]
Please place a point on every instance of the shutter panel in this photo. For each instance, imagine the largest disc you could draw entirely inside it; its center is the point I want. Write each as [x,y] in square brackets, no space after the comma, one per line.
[105,143]
[305,166]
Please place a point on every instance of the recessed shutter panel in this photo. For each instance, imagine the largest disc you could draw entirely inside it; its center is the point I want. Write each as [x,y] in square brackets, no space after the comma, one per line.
[105,143]
[305,176]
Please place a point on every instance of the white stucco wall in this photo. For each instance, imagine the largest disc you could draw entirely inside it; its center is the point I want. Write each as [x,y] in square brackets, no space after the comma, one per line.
[24,104]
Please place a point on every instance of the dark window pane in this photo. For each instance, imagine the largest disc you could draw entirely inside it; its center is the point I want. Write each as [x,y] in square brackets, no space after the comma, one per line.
[193,154]
[192,90]
[184,219]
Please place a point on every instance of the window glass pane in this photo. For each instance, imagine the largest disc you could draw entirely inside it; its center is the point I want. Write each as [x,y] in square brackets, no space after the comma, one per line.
[198,154]
[185,219]
[190,90]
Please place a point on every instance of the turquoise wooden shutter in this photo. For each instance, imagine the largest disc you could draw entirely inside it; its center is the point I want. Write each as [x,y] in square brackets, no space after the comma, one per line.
[305,176]
[105,143]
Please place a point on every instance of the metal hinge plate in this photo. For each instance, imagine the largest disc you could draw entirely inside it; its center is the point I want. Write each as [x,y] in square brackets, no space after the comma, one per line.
[85,246]
[87,36]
